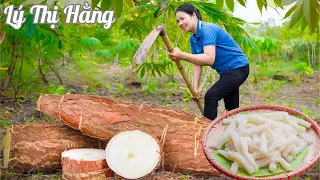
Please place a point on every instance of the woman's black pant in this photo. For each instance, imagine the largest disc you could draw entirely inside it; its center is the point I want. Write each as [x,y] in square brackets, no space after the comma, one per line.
[227,87]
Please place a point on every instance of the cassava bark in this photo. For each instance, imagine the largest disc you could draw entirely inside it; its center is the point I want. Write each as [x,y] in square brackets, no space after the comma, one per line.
[102,117]
[33,148]
[85,170]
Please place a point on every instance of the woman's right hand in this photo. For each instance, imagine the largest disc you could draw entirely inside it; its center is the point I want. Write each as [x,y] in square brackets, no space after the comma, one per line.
[176,54]
[197,94]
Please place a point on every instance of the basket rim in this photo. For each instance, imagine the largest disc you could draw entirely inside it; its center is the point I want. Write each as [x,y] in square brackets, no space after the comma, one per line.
[291,111]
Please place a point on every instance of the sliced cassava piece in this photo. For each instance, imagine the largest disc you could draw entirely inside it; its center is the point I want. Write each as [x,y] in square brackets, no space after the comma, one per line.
[85,163]
[133,154]
[33,148]
[102,117]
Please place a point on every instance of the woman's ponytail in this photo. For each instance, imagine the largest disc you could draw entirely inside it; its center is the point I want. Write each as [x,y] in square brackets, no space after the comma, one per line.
[198,13]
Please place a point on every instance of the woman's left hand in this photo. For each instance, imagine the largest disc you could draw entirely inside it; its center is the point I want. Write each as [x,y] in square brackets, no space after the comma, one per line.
[176,54]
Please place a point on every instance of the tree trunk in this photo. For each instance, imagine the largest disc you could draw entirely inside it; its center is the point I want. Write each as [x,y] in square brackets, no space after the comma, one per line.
[313,56]
[2,33]
[33,148]
[20,70]
[309,57]
[43,76]
[102,117]
[11,68]
[55,72]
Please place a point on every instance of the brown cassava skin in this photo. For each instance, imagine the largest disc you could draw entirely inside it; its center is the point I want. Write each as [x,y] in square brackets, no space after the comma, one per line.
[85,170]
[36,147]
[102,117]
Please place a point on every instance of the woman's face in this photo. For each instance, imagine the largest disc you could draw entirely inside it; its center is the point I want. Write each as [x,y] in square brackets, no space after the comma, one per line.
[186,22]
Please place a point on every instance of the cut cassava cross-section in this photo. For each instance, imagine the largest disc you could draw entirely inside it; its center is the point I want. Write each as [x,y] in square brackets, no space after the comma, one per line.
[103,117]
[33,148]
[84,164]
[133,154]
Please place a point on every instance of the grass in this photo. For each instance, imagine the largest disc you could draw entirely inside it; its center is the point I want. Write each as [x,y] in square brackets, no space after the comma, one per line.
[305,110]
[5,122]
[186,177]
[37,175]
[276,66]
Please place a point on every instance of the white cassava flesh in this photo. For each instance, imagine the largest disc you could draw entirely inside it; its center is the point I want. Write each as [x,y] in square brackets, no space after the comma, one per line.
[85,154]
[133,154]
[234,167]
[260,140]
[272,166]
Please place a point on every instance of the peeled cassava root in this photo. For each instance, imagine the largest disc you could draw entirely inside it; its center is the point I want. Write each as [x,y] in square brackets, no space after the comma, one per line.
[133,154]
[33,148]
[103,117]
[85,164]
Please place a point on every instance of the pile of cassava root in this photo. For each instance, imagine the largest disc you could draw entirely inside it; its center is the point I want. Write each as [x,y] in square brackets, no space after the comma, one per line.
[256,140]
[102,135]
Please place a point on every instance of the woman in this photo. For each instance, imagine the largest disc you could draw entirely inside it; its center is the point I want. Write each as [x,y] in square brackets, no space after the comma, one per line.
[212,46]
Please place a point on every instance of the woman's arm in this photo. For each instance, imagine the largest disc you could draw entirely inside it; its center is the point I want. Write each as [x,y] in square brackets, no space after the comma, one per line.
[197,70]
[205,59]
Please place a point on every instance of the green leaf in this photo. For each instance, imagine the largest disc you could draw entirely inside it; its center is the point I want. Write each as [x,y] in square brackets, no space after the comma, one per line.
[255,23]
[117,6]
[290,11]
[156,13]
[130,3]
[126,46]
[297,13]
[219,3]
[135,27]
[31,28]
[277,2]
[304,24]
[260,5]
[152,72]
[142,72]
[230,4]
[307,10]
[287,2]
[91,42]
[310,8]
[95,3]
[105,5]
[143,6]
[157,68]
[242,2]
[103,54]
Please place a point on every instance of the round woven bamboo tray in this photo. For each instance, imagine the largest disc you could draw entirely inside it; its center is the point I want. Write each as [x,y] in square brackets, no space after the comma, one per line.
[216,128]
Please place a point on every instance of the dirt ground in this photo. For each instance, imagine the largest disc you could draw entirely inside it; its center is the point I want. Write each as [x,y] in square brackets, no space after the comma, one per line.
[300,96]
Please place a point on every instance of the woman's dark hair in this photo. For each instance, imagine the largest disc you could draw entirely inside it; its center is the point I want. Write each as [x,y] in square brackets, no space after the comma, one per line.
[189,9]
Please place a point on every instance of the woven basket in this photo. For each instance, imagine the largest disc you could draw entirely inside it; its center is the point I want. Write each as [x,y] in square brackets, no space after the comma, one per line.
[216,128]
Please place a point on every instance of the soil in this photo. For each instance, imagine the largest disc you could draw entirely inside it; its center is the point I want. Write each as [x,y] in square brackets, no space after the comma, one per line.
[301,96]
